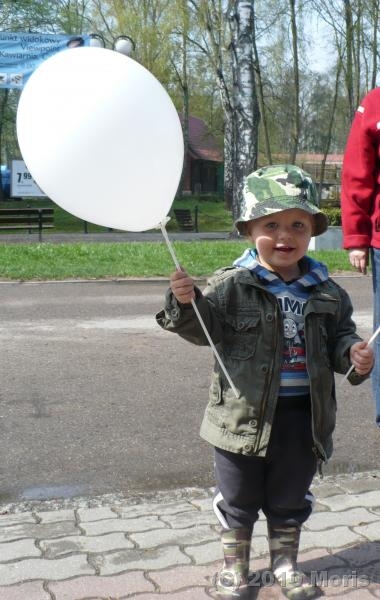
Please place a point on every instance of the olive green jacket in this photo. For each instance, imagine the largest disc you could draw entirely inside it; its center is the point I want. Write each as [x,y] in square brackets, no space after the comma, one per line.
[244,320]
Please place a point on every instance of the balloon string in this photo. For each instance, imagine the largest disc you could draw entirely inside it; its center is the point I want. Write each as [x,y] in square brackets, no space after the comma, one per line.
[216,353]
[370,341]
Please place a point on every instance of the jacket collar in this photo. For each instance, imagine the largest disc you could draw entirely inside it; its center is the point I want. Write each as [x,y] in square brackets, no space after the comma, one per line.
[313,271]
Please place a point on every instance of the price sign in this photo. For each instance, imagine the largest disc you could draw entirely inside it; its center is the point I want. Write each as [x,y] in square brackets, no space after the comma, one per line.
[22,182]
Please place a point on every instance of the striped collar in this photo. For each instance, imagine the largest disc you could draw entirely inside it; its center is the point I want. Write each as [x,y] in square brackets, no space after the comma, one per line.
[313,272]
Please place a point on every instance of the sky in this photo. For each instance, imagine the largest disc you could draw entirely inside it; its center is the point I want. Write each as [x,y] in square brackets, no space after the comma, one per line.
[320,44]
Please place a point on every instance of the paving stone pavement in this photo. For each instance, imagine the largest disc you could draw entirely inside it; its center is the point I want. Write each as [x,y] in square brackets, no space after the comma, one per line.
[166,545]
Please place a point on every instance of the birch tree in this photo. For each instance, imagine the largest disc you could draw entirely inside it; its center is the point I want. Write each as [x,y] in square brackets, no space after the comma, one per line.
[228,44]
[245,109]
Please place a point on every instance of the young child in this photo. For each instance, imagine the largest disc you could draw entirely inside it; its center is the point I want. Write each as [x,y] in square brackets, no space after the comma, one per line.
[282,327]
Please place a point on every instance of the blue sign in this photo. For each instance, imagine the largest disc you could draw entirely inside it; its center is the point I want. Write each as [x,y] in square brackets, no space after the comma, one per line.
[21,53]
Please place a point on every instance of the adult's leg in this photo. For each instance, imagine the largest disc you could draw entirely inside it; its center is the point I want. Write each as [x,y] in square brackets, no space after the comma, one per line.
[375,376]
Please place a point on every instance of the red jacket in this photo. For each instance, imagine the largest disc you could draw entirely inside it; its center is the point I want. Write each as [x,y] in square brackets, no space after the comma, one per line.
[360,195]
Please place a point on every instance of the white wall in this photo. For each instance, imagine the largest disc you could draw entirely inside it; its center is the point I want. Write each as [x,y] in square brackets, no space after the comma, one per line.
[330,240]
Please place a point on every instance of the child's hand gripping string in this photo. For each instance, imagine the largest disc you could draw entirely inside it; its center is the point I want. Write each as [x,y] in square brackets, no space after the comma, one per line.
[182,287]
[361,356]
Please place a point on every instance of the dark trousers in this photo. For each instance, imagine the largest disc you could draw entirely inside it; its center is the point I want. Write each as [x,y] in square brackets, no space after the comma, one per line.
[375,375]
[277,484]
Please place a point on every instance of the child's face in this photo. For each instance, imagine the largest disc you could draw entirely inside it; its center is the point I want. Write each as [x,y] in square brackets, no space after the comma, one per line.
[281,240]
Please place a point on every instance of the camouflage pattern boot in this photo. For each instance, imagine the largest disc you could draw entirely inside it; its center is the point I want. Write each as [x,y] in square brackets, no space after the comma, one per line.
[232,582]
[283,548]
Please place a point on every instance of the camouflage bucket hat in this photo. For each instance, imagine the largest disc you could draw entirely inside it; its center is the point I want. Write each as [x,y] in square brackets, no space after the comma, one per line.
[276,188]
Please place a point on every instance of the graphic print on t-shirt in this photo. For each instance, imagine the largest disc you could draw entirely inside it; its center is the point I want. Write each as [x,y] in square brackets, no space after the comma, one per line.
[294,376]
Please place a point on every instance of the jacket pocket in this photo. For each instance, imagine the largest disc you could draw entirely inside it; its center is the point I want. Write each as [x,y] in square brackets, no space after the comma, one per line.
[241,335]
[215,392]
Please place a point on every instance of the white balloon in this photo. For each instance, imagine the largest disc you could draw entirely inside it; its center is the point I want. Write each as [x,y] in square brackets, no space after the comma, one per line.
[102,138]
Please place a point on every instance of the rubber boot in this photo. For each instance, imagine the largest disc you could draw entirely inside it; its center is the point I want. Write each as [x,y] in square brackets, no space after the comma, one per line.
[283,548]
[232,582]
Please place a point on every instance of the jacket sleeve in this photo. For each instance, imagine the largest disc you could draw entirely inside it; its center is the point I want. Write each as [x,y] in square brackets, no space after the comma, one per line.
[346,336]
[358,174]
[181,318]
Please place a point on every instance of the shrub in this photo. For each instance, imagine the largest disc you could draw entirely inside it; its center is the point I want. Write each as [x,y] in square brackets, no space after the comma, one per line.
[333,215]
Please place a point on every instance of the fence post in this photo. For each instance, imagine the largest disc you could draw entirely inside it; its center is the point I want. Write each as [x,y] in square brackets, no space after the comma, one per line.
[40,224]
[196,218]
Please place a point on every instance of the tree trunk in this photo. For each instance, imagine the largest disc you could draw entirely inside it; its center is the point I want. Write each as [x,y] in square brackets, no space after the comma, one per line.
[185,91]
[229,138]
[357,54]
[375,13]
[245,114]
[210,14]
[260,98]
[349,59]
[330,128]
[229,152]
[296,106]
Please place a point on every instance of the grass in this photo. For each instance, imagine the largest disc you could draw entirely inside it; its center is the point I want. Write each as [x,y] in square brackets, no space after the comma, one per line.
[132,259]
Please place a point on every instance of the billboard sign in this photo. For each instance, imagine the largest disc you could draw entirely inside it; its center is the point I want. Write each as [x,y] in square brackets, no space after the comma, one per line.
[22,182]
[21,53]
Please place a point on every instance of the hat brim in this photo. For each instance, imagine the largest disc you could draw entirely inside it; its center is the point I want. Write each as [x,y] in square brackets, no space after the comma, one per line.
[274,206]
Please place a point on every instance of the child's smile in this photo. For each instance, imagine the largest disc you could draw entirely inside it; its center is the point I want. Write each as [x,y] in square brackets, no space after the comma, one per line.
[284,248]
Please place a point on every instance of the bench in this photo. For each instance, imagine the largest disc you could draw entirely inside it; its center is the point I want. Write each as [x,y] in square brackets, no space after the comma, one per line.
[27,218]
[185,219]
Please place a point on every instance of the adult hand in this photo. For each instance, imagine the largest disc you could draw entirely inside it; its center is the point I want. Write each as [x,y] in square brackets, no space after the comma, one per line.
[362,357]
[182,287]
[359,259]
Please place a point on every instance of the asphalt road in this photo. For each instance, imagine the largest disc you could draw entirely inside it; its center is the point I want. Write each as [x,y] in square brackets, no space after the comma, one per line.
[96,399]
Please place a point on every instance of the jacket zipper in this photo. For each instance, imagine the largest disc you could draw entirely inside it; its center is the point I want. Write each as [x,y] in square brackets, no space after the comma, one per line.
[270,371]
